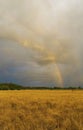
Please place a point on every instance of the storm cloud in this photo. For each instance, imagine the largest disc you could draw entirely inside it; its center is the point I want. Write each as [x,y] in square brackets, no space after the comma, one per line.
[41,42]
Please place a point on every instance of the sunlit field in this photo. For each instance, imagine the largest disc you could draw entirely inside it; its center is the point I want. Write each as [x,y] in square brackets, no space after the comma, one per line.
[41,110]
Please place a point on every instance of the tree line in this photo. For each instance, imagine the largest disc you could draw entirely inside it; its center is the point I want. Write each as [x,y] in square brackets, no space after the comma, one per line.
[11,86]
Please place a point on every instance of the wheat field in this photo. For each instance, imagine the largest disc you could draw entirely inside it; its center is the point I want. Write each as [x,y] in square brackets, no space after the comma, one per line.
[41,110]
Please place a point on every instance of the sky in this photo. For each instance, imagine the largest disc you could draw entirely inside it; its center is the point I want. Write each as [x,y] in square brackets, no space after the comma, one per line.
[41,42]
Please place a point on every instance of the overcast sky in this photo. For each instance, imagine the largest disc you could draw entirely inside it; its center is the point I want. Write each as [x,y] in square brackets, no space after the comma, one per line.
[41,42]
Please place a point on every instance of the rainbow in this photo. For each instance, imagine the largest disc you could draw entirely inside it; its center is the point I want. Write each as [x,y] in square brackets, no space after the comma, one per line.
[58,76]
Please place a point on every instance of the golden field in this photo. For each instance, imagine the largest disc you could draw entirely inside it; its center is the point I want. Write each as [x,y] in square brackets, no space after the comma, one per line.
[41,110]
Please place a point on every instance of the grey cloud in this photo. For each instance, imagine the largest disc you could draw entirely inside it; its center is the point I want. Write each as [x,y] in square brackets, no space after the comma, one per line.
[50,31]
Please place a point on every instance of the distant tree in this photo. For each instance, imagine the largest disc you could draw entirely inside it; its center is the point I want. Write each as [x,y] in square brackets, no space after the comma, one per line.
[79,87]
